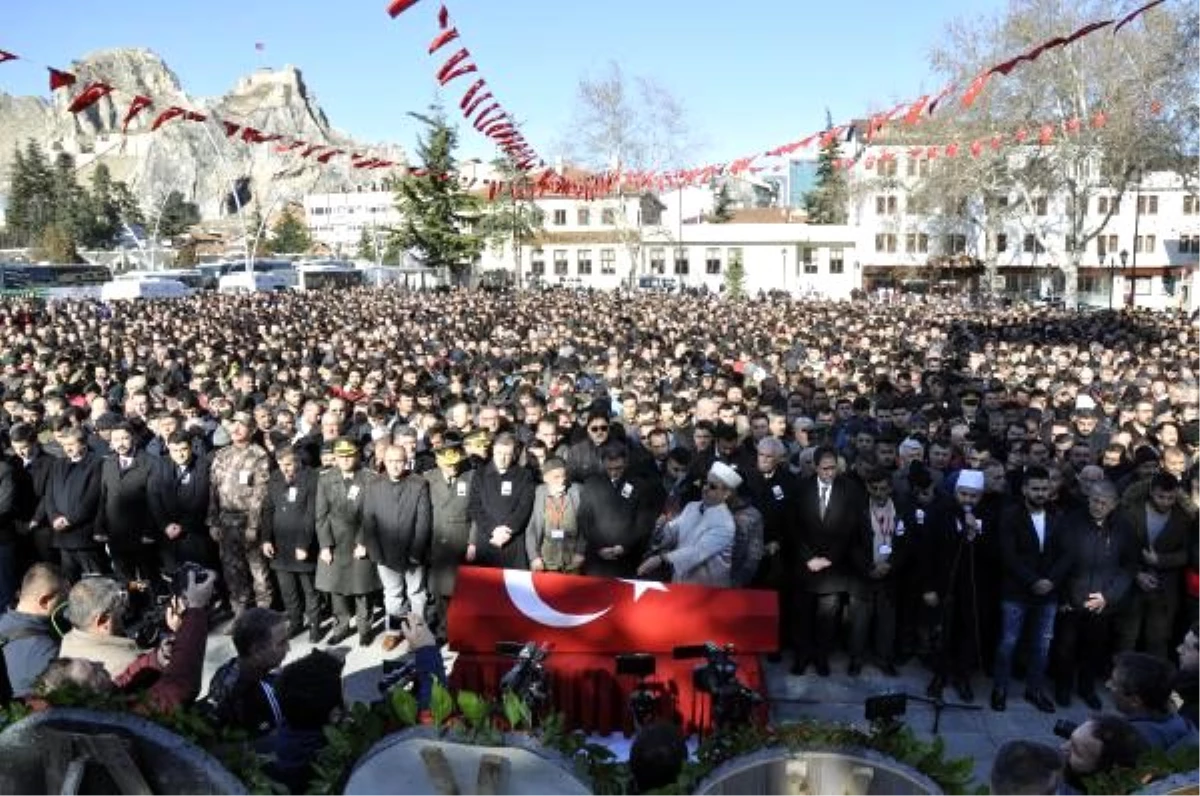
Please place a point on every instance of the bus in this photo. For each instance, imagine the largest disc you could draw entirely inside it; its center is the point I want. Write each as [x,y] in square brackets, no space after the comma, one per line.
[19,276]
[328,276]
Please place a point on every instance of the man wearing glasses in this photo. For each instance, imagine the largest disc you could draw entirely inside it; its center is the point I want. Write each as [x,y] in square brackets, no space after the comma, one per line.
[583,458]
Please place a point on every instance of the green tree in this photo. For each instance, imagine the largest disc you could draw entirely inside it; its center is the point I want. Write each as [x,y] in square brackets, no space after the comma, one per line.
[735,278]
[722,211]
[176,215]
[30,195]
[99,215]
[367,250]
[56,244]
[511,218]
[289,235]
[438,213]
[827,202]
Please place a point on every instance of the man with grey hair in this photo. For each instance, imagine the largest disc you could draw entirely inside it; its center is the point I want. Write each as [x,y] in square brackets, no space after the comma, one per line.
[96,608]
[773,491]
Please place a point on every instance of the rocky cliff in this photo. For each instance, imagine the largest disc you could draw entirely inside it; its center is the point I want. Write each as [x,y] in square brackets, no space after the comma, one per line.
[195,158]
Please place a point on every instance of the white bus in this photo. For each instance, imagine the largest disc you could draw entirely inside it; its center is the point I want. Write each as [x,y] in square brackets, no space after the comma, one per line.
[328,276]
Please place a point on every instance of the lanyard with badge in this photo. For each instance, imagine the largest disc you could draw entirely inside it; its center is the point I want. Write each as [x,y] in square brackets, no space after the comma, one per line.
[884,521]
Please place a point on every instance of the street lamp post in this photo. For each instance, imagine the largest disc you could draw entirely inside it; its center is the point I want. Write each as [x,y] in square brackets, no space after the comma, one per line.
[1111,278]
[783,272]
[1132,287]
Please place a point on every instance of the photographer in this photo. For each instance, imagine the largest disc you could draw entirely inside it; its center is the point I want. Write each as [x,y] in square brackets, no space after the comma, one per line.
[241,692]
[96,608]
[1101,744]
[426,658]
[1141,686]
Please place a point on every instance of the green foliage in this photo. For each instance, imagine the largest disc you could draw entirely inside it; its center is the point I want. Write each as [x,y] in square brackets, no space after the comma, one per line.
[516,711]
[438,212]
[56,245]
[722,211]
[735,278]
[346,742]
[176,216]
[1154,765]
[367,250]
[289,234]
[827,203]
[441,704]
[404,706]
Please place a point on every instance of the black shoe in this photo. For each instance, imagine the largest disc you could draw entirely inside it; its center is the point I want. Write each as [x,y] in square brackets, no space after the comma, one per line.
[1090,699]
[1062,696]
[823,668]
[1039,700]
[340,633]
[1000,700]
[315,633]
[855,667]
[365,639]
[774,657]
[934,689]
[963,687]
[295,629]
[888,668]
[799,667]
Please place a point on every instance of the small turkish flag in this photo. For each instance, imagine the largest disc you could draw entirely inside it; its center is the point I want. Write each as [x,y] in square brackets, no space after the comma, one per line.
[398,7]
[89,96]
[576,613]
[258,45]
[60,79]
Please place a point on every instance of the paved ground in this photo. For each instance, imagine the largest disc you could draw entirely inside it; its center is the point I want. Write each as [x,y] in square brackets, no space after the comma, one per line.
[839,697]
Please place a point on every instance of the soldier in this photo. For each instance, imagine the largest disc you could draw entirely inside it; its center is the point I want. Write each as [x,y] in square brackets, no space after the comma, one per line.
[450,498]
[344,570]
[124,519]
[238,486]
[178,496]
[289,534]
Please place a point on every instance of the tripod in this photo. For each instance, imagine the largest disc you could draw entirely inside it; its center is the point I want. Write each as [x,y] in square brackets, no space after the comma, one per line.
[938,705]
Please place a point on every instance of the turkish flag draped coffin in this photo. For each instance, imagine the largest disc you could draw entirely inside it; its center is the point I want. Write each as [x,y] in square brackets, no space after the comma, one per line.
[574,613]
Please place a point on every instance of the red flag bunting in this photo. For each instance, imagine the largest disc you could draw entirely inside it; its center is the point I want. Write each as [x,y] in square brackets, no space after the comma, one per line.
[455,66]
[470,94]
[89,96]
[1072,125]
[973,91]
[327,156]
[311,148]
[398,7]
[1046,134]
[475,103]
[976,148]
[442,39]
[443,18]
[231,128]
[1125,20]
[281,148]
[138,104]
[170,113]
[914,112]
[1099,120]
[5,55]
[60,79]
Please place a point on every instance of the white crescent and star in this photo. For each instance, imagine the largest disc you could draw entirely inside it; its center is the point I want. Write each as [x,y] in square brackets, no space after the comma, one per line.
[525,598]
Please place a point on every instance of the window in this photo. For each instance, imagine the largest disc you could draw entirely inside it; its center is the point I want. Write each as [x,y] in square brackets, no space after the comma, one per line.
[956,244]
[734,254]
[808,256]
[1041,206]
[583,262]
[885,205]
[910,167]
[1191,205]
[837,259]
[885,242]
[1148,205]
[1106,244]
[1142,285]
[608,261]
[1001,242]
[560,218]
[1002,201]
[1144,244]
[1032,245]
[560,258]
[608,216]
[658,261]
[887,167]
[1105,204]
[1189,244]
[712,261]
[1088,284]
[917,204]
[583,216]
[537,262]
[681,262]
[918,167]
[915,243]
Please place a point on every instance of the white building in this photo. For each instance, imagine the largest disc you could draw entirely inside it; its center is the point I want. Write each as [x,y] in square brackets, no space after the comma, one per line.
[338,219]
[1150,245]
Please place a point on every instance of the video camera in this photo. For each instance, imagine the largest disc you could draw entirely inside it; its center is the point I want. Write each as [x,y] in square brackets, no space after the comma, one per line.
[732,701]
[527,678]
[647,699]
[146,617]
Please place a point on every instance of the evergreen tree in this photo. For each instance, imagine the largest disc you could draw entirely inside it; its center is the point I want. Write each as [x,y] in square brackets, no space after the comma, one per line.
[99,217]
[70,201]
[735,278]
[827,202]
[56,245]
[289,235]
[722,211]
[366,246]
[177,215]
[30,196]
[437,210]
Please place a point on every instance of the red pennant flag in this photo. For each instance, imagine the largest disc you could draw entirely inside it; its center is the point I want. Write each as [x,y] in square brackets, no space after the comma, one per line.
[231,128]
[475,103]
[170,113]
[1099,120]
[973,91]
[914,112]
[997,141]
[5,55]
[931,153]
[398,7]
[136,106]
[327,156]
[193,116]
[455,67]
[443,18]
[1021,135]
[1046,134]
[60,79]
[976,148]
[1125,20]
[89,96]
[311,148]
[951,150]
[442,39]
[281,148]
[1155,108]
[470,94]
[1072,125]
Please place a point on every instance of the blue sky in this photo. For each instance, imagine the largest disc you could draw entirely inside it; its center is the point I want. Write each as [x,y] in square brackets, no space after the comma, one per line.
[753,74]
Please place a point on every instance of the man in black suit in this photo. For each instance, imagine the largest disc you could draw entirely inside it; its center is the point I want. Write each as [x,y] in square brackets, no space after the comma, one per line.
[1034,563]
[829,520]
[178,497]
[615,517]
[773,490]
[31,473]
[881,555]
[124,521]
[69,507]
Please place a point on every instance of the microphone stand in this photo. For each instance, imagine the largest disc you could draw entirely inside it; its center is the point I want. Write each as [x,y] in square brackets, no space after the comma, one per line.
[939,705]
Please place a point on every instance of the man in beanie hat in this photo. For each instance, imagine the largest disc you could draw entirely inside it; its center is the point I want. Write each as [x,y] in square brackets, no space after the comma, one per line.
[450,501]
[238,486]
[697,546]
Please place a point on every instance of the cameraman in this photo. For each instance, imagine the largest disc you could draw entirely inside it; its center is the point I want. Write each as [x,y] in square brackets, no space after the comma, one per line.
[241,693]
[97,608]
[1141,687]
[1101,744]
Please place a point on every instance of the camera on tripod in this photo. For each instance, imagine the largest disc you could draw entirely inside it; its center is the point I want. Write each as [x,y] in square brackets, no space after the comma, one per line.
[527,678]
[647,699]
[732,701]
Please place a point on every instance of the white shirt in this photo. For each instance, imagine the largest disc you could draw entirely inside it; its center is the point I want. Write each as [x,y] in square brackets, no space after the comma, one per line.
[1039,527]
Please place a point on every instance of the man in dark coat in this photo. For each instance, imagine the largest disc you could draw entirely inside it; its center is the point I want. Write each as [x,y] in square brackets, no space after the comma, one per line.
[1035,564]
[31,474]
[178,498]
[124,521]
[882,554]
[583,458]
[501,504]
[344,569]
[1162,529]
[774,492]
[69,507]
[289,535]
[396,525]
[830,507]
[614,518]
[450,502]
[9,574]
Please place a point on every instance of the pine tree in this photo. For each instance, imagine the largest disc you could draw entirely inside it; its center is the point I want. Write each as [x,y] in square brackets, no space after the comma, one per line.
[30,196]
[735,278]
[722,211]
[827,202]
[289,235]
[99,215]
[177,215]
[436,208]
[366,246]
[70,201]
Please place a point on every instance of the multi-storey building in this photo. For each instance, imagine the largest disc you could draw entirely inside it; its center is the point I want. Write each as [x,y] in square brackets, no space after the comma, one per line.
[338,219]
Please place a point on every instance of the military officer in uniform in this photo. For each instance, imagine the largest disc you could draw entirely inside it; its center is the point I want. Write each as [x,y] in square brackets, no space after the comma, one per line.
[450,496]
[237,487]
[343,569]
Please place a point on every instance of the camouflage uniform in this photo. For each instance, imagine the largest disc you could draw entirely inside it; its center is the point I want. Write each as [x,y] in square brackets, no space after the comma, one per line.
[238,487]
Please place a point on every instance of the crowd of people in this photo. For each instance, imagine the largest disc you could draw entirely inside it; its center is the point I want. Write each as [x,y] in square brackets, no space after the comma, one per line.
[985,489]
